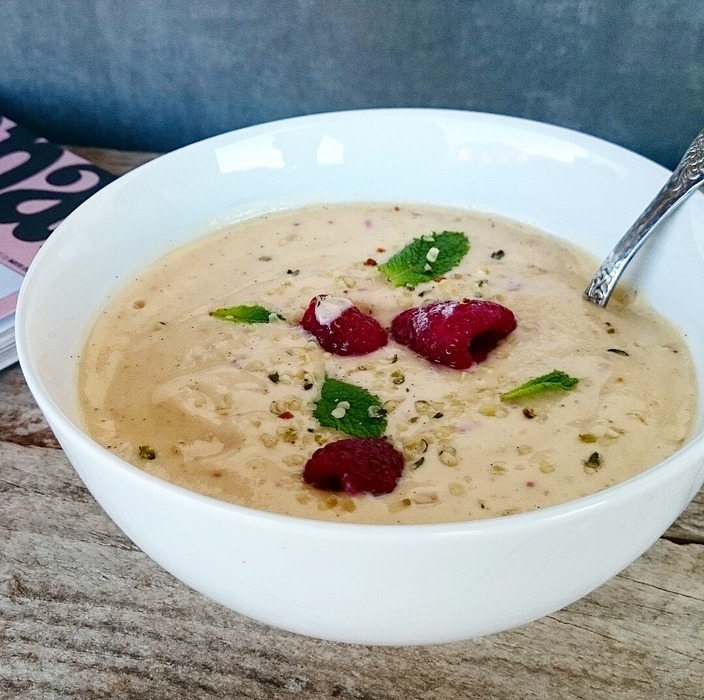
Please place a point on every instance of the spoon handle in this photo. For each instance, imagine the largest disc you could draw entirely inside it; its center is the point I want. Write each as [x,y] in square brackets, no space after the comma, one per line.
[686,178]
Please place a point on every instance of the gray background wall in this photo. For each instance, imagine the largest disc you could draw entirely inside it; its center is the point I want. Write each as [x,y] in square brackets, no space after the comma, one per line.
[158,74]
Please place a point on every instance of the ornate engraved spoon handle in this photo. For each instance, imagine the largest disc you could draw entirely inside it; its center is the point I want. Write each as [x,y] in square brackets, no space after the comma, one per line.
[686,178]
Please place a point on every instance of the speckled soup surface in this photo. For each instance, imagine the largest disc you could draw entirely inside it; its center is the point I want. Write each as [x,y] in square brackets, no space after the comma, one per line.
[226,409]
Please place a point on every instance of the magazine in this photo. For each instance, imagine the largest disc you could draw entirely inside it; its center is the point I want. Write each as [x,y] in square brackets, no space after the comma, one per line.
[40,184]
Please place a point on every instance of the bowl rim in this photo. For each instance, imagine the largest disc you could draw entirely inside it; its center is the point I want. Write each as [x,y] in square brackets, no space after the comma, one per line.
[57,416]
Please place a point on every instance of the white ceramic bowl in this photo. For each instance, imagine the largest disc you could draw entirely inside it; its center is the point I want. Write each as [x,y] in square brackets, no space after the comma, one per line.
[364,583]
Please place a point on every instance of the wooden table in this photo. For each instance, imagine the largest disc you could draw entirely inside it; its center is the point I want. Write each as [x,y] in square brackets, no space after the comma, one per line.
[85,614]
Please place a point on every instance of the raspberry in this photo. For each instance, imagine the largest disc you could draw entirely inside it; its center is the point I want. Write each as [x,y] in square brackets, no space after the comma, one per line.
[355,465]
[341,328]
[453,333]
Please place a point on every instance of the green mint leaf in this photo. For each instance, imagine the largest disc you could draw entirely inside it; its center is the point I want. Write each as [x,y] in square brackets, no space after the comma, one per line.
[548,382]
[246,314]
[425,258]
[350,409]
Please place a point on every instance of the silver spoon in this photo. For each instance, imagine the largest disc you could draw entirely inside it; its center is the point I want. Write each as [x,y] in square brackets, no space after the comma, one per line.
[686,178]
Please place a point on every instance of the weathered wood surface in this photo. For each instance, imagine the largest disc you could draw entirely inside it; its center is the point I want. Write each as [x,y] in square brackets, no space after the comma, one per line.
[85,614]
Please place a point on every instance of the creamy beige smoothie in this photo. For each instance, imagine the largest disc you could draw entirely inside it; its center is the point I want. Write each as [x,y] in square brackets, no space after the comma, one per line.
[226,409]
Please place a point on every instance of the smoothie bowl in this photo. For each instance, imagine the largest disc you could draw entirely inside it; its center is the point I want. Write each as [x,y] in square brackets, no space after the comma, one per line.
[336,372]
